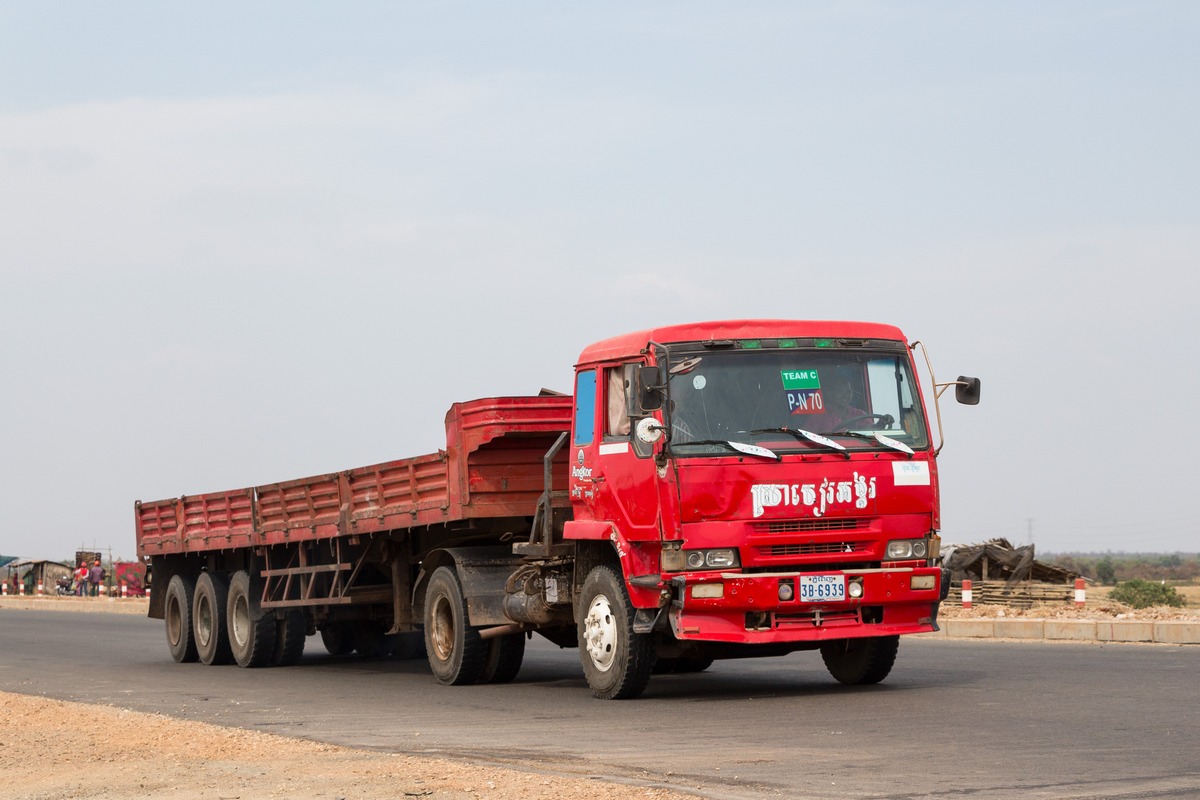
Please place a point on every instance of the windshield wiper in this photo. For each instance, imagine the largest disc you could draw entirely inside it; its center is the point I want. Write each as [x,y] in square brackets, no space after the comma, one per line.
[741,447]
[802,435]
[886,441]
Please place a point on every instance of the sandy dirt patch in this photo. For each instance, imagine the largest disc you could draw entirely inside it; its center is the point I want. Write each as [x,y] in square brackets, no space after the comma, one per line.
[54,750]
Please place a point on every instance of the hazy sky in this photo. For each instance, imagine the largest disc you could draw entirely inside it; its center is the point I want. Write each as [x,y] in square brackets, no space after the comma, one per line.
[243,243]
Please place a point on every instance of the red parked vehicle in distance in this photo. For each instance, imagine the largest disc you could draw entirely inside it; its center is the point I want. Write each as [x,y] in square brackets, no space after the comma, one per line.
[713,490]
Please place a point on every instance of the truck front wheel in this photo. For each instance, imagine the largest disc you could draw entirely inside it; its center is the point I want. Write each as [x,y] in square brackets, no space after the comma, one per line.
[209,618]
[857,662]
[616,661]
[456,652]
[181,591]
[251,633]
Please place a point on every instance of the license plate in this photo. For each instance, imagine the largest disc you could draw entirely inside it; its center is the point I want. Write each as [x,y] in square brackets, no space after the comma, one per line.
[822,588]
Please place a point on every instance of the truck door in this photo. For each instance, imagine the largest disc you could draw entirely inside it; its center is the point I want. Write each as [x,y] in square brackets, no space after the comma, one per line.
[608,477]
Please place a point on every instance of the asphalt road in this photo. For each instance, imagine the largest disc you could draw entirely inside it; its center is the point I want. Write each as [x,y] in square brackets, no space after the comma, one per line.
[956,719]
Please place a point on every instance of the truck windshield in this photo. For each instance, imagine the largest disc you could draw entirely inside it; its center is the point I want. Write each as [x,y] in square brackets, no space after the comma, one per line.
[751,396]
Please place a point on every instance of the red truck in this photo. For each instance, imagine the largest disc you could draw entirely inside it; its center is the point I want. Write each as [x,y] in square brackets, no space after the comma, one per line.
[713,490]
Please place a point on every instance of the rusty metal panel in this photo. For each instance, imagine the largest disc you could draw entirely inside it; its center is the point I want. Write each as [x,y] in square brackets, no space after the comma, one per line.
[393,494]
[158,528]
[217,521]
[305,509]
[492,444]
[505,476]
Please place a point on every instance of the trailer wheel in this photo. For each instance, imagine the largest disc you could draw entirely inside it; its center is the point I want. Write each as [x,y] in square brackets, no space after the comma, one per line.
[177,614]
[251,633]
[209,618]
[409,646]
[857,662]
[504,657]
[681,665]
[616,661]
[336,638]
[290,633]
[370,640]
[456,653]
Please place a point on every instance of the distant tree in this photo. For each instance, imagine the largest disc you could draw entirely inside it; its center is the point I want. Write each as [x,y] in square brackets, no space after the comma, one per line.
[1106,573]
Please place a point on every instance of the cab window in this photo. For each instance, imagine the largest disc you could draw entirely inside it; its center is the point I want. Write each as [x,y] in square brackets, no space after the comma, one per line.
[616,417]
[585,407]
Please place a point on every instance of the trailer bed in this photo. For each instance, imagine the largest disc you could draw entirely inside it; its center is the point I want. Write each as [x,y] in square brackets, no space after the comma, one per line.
[492,467]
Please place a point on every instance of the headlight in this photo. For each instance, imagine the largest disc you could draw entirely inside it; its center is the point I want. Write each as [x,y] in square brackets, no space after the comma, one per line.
[902,549]
[724,558]
[721,558]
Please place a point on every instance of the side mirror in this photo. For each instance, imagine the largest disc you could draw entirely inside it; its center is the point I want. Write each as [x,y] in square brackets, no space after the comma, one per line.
[649,388]
[966,390]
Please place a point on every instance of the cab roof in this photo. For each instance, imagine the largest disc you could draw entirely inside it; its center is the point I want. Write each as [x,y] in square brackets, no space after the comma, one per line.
[632,344]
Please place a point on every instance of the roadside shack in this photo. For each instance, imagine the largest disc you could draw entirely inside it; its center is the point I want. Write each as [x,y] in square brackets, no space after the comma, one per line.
[1002,574]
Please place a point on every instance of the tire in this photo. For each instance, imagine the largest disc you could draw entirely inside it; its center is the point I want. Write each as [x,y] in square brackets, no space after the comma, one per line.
[681,665]
[251,633]
[504,657]
[858,662]
[177,615]
[616,661]
[409,646]
[370,641]
[337,639]
[290,633]
[209,618]
[456,653]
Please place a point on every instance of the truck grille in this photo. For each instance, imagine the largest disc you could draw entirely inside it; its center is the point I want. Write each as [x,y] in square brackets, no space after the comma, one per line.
[806,525]
[816,548]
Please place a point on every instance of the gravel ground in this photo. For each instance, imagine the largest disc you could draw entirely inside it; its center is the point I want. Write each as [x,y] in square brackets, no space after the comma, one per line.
[55,749]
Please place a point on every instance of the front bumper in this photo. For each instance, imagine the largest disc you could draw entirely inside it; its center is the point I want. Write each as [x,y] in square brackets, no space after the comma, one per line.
[749,609]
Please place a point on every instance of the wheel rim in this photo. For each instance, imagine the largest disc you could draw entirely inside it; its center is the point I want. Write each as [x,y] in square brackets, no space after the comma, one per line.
[442,634]
[239,629]
[600,633]
[204,622]
[174,622]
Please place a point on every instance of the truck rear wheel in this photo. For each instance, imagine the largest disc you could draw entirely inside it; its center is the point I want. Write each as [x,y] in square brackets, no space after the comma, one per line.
[371,640]
[409,646]
[504,657]
[337,639]
[857,662]
[290,633]
[616,661]
[181,591]
[251,633]
[456,653]
[209,618]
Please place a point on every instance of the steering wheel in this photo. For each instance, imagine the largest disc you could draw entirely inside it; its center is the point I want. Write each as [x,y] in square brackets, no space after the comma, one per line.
[878,420]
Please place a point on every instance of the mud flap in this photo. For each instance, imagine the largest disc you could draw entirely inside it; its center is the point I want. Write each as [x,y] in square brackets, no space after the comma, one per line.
[649,620]
[483,572]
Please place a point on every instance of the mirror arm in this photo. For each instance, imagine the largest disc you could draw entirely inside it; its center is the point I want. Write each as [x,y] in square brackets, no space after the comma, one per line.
[938,388]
